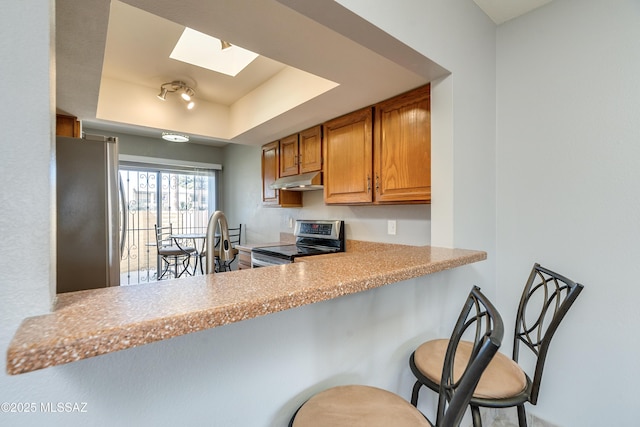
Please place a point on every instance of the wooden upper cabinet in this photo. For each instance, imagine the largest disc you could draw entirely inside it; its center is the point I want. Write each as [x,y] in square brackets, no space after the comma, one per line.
[310,149]
[289,156]
[381,159]
[270,172]
[67,126]
[270,165]
[402,148]
[348,158]
[302,152]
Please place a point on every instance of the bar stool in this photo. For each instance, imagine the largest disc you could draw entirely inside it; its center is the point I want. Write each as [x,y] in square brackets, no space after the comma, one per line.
[546,298]
[365,406]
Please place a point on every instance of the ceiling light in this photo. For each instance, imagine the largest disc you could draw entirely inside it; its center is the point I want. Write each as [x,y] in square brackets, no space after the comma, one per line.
[163,94]
[225,44]
[186,92]
[175,137]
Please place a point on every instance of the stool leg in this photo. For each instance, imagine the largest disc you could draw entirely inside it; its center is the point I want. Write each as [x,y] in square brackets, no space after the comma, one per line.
[475,414]
[414,395]
[522,416]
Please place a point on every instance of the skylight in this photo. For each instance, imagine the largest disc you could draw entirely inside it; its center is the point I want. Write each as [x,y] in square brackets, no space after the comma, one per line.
[204,51]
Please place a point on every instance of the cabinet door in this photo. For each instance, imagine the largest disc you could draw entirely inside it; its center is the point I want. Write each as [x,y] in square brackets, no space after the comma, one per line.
[270,169]
[402,152]
[348,158]
[270,166]
[289,157]
[310,142]
[67,126]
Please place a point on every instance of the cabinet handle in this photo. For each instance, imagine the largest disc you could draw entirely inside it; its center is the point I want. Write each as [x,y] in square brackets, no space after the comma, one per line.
[368,184]
[377,184]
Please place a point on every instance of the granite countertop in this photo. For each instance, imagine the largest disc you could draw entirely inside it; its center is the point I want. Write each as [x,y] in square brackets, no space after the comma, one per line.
[90,323]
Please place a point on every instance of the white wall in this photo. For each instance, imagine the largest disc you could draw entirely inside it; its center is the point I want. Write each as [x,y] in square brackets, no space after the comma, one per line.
[252,373]
[144,146]
[25,168]
[568,180]
[242,194]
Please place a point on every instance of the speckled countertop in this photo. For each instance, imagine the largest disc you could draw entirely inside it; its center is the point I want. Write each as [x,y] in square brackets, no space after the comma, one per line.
[90,323]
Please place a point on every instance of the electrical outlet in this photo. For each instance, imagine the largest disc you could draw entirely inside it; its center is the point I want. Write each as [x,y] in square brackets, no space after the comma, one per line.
[391,227]
[290,222]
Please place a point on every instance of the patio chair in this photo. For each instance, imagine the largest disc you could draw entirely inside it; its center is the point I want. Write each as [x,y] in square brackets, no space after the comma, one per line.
[174,257]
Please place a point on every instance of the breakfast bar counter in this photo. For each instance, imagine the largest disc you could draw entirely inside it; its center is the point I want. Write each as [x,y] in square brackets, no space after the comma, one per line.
[90,323]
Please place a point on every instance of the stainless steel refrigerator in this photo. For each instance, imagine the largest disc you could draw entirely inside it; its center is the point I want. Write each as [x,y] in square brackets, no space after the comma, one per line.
[88,215]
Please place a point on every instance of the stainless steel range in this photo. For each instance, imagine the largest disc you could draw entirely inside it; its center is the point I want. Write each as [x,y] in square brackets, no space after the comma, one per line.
[312,238]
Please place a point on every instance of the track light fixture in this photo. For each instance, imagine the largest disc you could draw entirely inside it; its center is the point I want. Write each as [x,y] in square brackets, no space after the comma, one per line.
[186,93]
[163,93]
[225,44]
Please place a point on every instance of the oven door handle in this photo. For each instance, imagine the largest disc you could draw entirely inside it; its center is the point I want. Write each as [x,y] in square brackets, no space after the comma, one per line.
[261,262]
[257,263]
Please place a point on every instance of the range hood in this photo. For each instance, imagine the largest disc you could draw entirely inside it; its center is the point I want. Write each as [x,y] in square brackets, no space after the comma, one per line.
[303,182]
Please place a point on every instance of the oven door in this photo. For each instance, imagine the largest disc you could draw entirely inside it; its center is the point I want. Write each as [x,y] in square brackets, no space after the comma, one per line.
[263,260]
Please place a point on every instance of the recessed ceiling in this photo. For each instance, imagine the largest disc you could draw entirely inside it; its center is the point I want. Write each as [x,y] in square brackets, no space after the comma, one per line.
[92,75]
[138,50]
[112,58]
[141,54]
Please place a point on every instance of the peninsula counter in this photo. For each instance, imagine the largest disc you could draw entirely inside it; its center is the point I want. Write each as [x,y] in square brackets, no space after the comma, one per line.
[90,323]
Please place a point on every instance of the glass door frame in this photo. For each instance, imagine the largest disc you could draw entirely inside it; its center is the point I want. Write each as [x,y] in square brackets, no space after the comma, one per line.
[138,250]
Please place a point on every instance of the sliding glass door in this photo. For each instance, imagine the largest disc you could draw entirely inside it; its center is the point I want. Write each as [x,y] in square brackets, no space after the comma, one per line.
[156,196]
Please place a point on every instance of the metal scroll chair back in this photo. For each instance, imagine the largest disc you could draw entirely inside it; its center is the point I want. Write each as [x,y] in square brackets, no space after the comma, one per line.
[546,299]
[480,325]
[163,236]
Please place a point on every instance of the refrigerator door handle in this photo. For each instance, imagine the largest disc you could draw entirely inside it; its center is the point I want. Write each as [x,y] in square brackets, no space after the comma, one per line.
[125,216]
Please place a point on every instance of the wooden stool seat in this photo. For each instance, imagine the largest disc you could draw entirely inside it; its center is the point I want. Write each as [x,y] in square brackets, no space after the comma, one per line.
[502,379]
[358,406]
